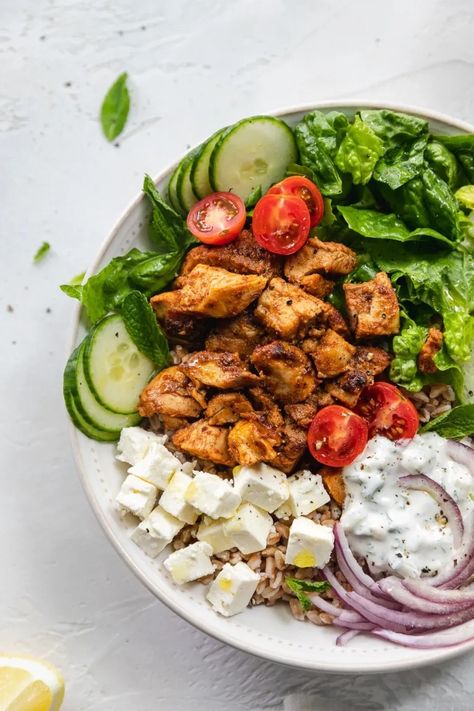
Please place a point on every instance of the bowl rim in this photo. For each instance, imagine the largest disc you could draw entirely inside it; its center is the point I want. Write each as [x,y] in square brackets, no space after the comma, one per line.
[275,655]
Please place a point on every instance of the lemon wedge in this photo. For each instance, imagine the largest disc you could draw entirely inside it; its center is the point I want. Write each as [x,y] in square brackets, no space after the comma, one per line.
[28,684]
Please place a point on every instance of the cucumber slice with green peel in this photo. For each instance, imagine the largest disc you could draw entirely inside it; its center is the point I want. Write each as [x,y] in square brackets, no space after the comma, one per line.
[254,152]
[115,370]
[172,197]
[93,411]
[184,189]
[200,169]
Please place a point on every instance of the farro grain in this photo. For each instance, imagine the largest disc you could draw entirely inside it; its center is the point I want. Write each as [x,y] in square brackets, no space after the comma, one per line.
[296,609]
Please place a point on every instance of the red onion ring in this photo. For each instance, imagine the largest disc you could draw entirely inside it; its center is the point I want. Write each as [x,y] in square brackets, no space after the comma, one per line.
[445,638]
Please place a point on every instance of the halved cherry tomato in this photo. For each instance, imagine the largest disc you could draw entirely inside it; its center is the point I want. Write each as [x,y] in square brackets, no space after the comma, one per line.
[388,412]
[217,219]
[280,223]
[302,187]
[337,436]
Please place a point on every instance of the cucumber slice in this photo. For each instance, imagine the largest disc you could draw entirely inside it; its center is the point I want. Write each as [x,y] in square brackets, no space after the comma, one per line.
[184,189]
[92,410]
[200,168]
[115,370]
[172,197]
[253,153]
[73,406]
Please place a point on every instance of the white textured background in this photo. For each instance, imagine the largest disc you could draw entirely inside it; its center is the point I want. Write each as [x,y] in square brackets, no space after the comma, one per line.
[194,65]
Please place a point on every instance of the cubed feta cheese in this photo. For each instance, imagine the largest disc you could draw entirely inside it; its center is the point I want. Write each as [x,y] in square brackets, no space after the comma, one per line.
[249,528]
[136,496]
[212,495]
[173,501]
[190,563]
[213,533]
[158,465]
[134,443]
[284,511]
[156,531]
[307,493]
[231,591]
[309,544]
[262,485]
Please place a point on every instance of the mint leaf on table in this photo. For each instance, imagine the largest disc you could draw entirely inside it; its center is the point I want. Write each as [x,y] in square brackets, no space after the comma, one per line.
[454,424]
[300,587]
[142,327]
[41,252]
[115,108]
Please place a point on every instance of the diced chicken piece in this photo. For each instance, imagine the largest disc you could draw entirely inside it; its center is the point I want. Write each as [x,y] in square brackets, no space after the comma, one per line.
[292,447]
[316,285]
[173,423]
[335,320]
[264,403]
[287,310]
[303,412]
[373,307]
[364,366]
[226,408]
[238,335]
[205,441]
[184,328]
[332,354]
[334,483]
[211,291]
[252,440]
[287,371]
[316,256]
[171,393]
[242,256]
[218,370]
[429,349]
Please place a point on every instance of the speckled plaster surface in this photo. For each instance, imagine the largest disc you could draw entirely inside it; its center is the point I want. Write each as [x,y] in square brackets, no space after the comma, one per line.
[194,66]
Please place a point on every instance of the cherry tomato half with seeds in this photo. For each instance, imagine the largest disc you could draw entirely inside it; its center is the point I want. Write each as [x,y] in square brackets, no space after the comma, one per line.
[280,223]
[336,436]
[305,189]
[388,412]
[217,219]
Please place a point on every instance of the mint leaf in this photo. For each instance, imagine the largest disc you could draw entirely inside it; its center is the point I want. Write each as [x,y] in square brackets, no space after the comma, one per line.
[115,108]
[299,587]
[142,327]
[454,424]
[41,252]
[74,287]
[167,230]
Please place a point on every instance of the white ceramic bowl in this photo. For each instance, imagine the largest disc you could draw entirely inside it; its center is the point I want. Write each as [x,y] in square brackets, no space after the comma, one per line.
[271,633]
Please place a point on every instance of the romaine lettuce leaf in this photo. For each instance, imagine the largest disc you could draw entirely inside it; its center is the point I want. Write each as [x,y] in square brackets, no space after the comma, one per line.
[359,152]
[442,162]
[463,149]
[406,347]
[318,136]
[377,225]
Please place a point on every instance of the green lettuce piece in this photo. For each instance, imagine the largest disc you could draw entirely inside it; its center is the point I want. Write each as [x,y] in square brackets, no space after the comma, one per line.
[394,127]
[359,152]
[465,196]
[463,149]
[442,162]
[406,347]
[299,587]
[454,424]
[142,327]
[377,225]
[318,136]
[425,201]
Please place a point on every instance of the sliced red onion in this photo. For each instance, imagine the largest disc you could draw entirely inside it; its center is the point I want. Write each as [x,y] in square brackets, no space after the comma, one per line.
[397,590]
[438,595]
[462,571]
[463,576]
[432,640]
[325,605]
[362,626]
[421,482]
[346,637]
[461,453]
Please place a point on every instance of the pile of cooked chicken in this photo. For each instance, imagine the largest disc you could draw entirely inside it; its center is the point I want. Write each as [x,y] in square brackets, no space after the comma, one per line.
[265,350]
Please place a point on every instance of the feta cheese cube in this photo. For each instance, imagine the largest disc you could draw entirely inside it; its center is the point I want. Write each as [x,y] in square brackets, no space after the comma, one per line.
[249,528]
[158,465]
[136,496]
[212,532]
[134,443]
[231,591]
[172,500]
[190,563]
[156,531]
[284,511]
[262,485]
[309,544]
[212,495]
[307,493]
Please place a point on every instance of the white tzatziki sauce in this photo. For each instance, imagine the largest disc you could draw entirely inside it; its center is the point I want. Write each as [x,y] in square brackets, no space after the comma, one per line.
[398,530]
